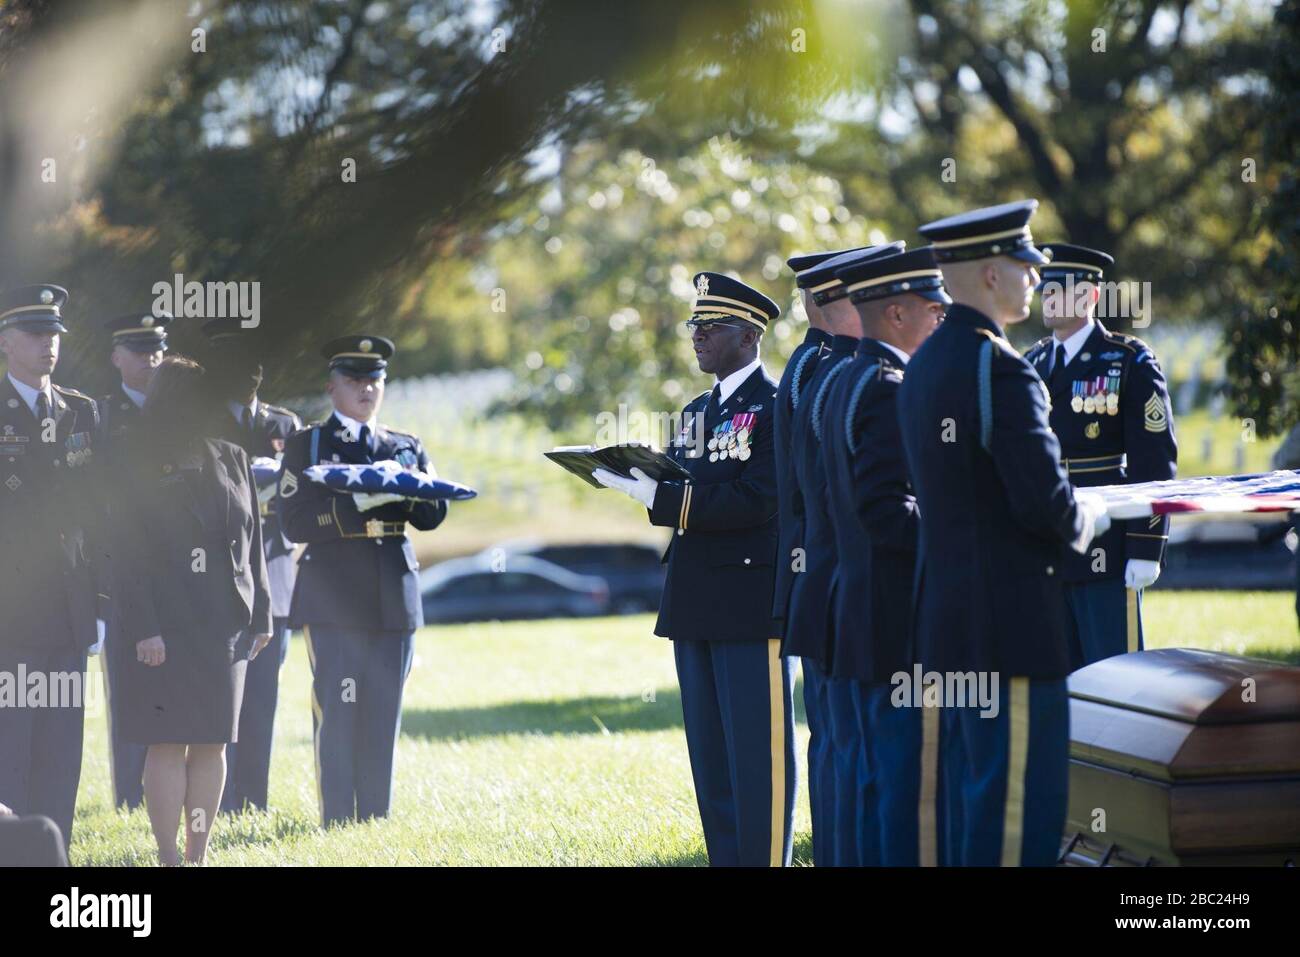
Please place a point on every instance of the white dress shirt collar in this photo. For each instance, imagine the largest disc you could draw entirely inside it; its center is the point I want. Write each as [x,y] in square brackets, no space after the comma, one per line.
[352,425]
[1075,342]
[136,397]
[902,356]
[237,410]
[728,386]
[29,394]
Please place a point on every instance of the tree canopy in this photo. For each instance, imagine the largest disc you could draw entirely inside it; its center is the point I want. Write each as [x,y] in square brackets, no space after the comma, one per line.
[522,182]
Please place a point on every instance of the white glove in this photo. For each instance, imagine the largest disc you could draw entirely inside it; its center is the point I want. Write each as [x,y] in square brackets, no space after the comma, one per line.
[1092,509]
[365,501]
[1141,573]
[100,629]
[640,486]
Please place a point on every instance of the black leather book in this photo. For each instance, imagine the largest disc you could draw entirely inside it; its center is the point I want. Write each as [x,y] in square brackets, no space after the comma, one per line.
[582,460]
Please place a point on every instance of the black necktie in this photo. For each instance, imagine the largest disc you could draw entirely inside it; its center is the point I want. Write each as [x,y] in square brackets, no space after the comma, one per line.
[246,419]
[364,438]
[715,402]
[42,407]
[1058,367]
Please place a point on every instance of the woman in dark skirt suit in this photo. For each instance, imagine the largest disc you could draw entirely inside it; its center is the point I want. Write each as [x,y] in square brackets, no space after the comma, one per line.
[192,583]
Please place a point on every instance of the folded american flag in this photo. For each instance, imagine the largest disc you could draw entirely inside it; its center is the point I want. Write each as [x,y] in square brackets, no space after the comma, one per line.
[266,470]
[387,477]
[1269,492]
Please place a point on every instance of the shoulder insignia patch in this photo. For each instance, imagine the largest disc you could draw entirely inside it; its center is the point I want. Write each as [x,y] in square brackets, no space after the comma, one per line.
[288,484]
[1153,415]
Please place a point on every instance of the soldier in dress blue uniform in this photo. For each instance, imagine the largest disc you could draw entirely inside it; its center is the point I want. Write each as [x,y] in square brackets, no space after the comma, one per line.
[48,597]
[1110,410]
[139,342]
[997,508]
[717,603]
[261,430]
[809,624]
[901,300]
[799,368]
[357,595]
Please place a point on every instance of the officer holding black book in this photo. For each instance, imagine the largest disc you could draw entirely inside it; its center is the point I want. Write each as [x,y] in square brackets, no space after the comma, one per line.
[717,601]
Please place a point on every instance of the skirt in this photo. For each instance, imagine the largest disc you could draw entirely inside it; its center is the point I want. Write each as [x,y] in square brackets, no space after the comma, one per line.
[193,697]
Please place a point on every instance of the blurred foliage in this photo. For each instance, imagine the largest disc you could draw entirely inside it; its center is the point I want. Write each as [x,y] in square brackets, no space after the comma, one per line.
[596,277]
[485,131]
[1264,331]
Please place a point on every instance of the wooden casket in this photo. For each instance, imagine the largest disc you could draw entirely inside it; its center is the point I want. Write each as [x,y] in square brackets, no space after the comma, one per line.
[1184,757]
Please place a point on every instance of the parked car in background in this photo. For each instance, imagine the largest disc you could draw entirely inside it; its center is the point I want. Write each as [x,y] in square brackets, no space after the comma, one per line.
[632,570]
[477,589]
[1246,553]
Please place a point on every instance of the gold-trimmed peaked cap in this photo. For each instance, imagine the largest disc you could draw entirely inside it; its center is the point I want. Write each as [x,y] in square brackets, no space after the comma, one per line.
[140,331]
[803,265]
[720,298]
[984,233]
[37,308]
[823,283]
[361,355]
[1084,264]
[884,276]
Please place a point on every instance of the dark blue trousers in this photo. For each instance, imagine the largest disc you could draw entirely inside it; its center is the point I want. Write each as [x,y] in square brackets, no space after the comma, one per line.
[738,709]
[1105,620]
[40,744]
[357,682]
[125,758]
[850,775]
[248,760]
[1007,777]
[821,778]
[893,801]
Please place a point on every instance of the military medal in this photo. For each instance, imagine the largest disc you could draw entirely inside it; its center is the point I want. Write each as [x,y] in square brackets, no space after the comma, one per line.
[78,449]
[744,423]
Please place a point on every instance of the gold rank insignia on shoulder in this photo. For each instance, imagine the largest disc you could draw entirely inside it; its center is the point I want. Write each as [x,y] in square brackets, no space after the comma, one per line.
[1154,418]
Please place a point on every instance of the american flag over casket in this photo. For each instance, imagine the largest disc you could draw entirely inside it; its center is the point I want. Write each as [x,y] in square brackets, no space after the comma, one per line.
[1268,492]
[387,478]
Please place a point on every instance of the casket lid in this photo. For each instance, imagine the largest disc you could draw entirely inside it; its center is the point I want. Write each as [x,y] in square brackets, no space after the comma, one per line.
[1197,687]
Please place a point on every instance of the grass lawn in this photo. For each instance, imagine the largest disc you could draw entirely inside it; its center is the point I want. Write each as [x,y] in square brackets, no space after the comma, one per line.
[557,743]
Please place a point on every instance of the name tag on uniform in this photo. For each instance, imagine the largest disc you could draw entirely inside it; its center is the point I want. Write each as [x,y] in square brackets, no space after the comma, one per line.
[11,444]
